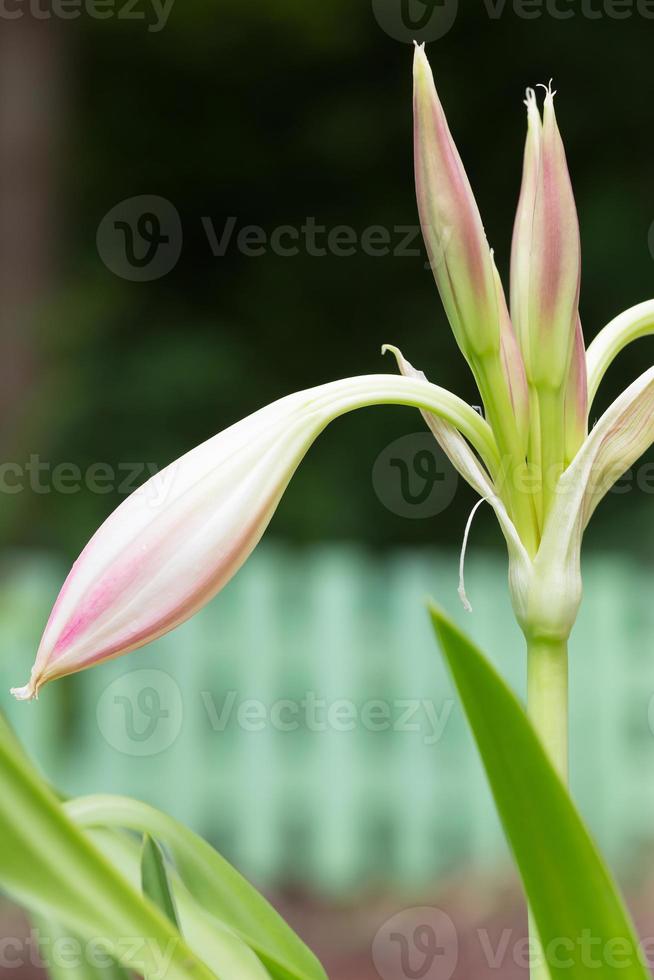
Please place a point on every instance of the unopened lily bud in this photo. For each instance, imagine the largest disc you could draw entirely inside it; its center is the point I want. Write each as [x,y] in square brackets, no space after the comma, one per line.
[178,539]
[546,258]
[576,398]
[524,222]
[451,225]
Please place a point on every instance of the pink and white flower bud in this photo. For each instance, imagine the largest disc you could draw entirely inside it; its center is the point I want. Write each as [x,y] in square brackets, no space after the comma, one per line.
[546,260]
[451,225]
[472,295]
[175,542]
[524,222]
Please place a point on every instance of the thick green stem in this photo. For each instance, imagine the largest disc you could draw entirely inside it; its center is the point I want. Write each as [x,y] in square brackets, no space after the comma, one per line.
[534,453]
[552,443]
[547,706]
[547,698]
[497,403]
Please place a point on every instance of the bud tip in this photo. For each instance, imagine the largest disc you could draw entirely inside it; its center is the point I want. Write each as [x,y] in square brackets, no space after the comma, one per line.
[28,693]
[419,59]
[549,91]
[530,98]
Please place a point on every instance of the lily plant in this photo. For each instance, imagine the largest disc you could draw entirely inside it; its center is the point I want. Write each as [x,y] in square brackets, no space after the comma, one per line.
[175,542]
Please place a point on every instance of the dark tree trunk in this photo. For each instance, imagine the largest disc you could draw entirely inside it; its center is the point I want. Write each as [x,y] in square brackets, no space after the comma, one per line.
[30,114]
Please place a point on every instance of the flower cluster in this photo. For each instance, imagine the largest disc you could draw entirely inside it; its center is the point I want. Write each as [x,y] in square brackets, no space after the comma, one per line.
[161,556]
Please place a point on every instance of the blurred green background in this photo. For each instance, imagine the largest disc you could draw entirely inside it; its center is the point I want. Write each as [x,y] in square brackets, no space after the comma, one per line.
[269,115]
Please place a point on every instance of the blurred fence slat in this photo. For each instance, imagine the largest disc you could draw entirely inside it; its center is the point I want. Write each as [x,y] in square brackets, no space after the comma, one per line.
[304,721]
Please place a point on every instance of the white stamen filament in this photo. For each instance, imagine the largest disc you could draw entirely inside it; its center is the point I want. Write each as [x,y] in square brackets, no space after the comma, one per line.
[462,589]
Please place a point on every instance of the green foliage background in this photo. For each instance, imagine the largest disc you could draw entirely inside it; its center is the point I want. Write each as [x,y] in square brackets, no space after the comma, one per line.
[272,112]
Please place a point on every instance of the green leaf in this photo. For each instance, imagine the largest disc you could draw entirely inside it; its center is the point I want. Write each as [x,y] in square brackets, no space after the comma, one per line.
[214,884]
[50,866]
[572,896]
[219,944]
[59,954]
[154,879]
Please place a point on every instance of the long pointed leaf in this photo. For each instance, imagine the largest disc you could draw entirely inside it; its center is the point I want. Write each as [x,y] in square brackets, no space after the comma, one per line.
[570,891]
[51,867]
[219,944]
[212,881]
[154,879]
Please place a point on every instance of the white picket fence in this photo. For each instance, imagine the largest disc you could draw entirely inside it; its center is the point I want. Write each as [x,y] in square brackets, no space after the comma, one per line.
[306,724]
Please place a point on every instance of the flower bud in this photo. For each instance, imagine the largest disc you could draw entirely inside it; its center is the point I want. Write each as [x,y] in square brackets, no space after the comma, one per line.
[472,295]
[546,259]
[451,225]
[178,539]
[524,220]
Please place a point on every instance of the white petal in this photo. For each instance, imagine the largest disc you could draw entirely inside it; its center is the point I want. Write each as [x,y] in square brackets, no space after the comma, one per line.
[620,437]
[631,325]
[465,461]
[177,541]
